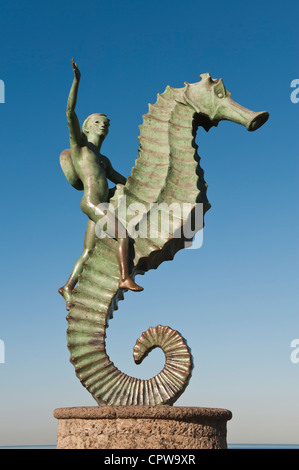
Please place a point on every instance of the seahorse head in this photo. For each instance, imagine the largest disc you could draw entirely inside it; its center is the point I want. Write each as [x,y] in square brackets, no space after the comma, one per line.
[210,99]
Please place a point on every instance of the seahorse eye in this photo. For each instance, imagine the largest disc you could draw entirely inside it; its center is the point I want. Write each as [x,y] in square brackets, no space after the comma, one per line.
[220,90]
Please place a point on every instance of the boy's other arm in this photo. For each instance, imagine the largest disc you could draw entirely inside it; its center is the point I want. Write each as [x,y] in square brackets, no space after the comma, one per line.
[112,174]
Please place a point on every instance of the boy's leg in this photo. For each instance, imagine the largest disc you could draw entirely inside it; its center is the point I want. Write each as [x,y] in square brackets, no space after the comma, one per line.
[123,260]
[92,209]
[89,243]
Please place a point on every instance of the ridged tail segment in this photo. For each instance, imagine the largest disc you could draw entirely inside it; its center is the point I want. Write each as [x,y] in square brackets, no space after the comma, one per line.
[166,173]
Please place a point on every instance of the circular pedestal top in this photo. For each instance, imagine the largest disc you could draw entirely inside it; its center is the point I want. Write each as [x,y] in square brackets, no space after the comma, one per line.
[145,412]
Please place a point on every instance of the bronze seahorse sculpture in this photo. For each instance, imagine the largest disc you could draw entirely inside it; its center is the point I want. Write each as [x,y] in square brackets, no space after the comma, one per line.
[166,172]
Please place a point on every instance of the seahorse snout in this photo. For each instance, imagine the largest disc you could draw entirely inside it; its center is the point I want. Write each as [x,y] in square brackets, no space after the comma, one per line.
[257,121]
[230,110]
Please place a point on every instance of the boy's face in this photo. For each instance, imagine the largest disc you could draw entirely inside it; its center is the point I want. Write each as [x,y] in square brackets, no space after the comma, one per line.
[98,124]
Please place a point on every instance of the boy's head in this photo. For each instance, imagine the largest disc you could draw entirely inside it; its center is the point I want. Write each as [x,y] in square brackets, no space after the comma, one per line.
[96,124]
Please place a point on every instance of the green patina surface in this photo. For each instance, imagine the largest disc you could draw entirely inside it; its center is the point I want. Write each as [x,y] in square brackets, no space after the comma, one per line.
[167,170]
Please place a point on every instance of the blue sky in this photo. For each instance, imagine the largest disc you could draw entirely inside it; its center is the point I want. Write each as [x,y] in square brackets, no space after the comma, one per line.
[235,299]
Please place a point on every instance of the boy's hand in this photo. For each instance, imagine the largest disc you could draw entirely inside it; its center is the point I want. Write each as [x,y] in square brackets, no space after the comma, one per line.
[76,70]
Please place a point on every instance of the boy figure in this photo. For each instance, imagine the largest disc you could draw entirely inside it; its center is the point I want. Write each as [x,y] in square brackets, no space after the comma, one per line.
[85,168]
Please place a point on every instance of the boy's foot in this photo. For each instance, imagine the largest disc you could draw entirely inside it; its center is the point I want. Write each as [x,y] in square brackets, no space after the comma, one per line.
[130,284]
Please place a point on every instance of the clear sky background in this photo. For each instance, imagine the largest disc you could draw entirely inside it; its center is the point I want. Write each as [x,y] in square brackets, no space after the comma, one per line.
[235,299]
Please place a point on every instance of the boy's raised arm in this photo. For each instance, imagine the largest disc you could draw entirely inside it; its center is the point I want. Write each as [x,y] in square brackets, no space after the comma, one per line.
[72,119]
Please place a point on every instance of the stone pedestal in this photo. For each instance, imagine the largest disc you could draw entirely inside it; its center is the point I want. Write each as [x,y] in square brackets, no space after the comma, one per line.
[141,427]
